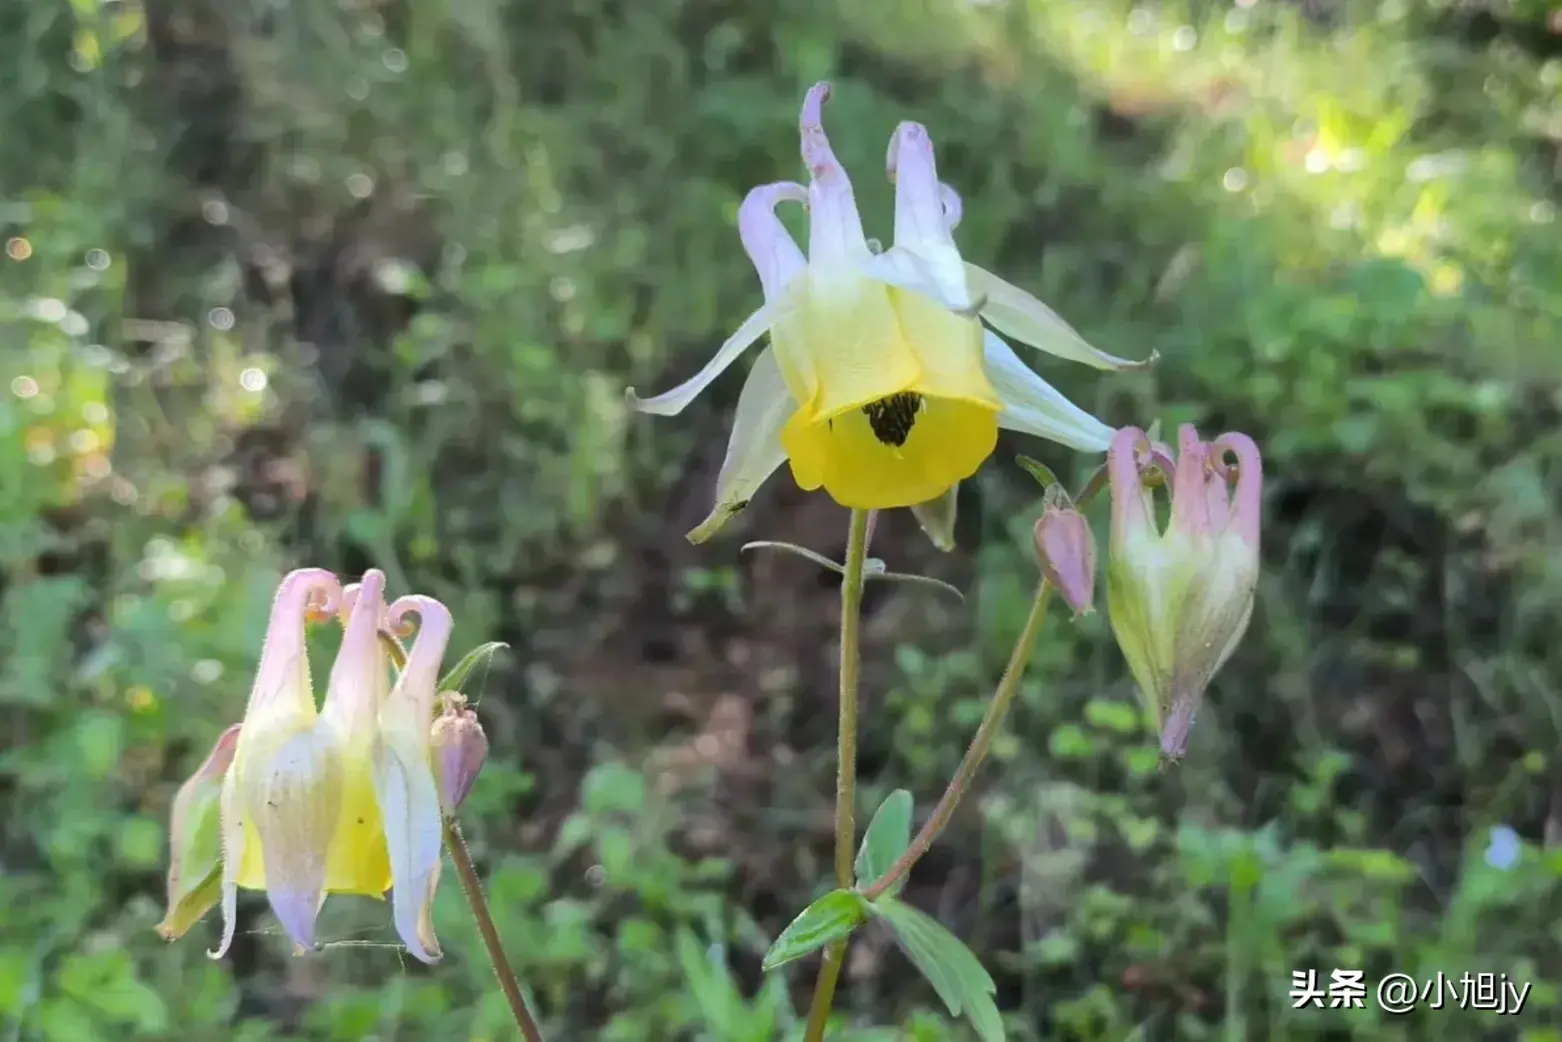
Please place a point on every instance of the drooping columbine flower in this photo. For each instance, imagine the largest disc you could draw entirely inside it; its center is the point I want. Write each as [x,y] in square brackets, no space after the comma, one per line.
[298,812]
[1179,601]
[880,384]
[195,842]
[343,799]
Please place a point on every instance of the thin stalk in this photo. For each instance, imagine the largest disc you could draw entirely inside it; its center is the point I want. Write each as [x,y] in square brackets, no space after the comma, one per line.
[455,842]
[845,761]
[1003,697]
[1008,687]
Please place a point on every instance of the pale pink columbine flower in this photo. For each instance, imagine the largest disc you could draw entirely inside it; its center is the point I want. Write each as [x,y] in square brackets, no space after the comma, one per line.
[880,384]
[1180,600]
[336,800]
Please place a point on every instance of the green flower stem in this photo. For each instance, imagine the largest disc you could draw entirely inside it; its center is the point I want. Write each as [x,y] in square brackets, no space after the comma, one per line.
[1008,687]
[455,842]
[846,761]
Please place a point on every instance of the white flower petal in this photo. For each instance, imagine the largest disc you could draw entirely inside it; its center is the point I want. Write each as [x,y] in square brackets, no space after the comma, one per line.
[360,676]
[673,402]
[1033,406]
[1016,313]
[282,692]
[414,834]
[835,234]
[404,781]
[908,270]
[232,822]
[294,798]
[765,239]
[923,210]
[754,449]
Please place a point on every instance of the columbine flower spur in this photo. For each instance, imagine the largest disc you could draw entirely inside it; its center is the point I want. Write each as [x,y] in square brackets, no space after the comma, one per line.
[341,799]
[880,383]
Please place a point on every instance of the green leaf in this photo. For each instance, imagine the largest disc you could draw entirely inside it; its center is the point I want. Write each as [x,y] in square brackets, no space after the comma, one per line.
[832,917]
[710,984]
[453,680]
[888,836]
[957,976]
[1038,470]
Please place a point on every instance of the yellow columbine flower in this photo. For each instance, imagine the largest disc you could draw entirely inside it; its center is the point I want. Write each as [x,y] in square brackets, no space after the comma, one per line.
[880,383]
[335,800]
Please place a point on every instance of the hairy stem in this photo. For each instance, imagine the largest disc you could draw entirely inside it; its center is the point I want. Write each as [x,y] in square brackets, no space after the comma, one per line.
[997,707]
[455,842]
[845,762]
[524,1019]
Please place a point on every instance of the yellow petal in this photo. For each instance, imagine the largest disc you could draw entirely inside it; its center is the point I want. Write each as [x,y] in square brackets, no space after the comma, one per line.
[360,677]
[948,348]
[840,345]
[946,443]
[358,862]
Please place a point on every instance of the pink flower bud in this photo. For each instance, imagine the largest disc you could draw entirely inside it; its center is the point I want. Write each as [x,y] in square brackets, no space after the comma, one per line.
[460,749]
[1180,600]
[1066,549]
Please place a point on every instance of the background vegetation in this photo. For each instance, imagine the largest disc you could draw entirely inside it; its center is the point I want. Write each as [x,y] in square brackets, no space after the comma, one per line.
[362,283]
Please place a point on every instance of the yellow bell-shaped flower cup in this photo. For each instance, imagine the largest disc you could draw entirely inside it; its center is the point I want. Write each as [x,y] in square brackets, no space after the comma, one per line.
[880,384]
[404,776]
[281,797]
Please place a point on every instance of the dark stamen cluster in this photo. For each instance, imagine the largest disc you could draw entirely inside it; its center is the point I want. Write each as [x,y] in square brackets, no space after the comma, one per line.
[892,418]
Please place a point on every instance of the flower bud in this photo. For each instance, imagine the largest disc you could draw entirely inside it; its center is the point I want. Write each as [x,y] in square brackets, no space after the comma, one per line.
[1180,600]
[460,749]
[1066,549]
[195,842]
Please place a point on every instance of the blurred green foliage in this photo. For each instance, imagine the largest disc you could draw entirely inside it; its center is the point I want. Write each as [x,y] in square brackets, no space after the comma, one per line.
[362,283]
